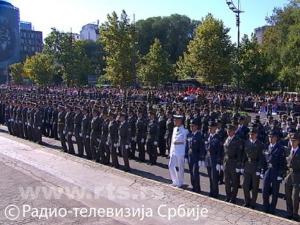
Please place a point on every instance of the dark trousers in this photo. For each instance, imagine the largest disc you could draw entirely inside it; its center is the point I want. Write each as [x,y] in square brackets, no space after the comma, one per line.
[20,130]
[141,149]
[251,182]
[37,135]
[125,154]
[132,149]
[162,145]
[270,185]
[25,131]
[30,133]
[195,178]
[79,143]
[152,151]
[87,147]
[292,199]
[231,184]
[70,144]
[54,131]
[62,138]
[114,155]
[104,152]
[213,181]
[94,149]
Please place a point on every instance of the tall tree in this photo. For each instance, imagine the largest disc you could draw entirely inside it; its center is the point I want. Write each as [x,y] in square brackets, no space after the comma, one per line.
[119,39]
[156,68]
[40,68]
[17,73]
[253,74]
[209,53]
[173,31]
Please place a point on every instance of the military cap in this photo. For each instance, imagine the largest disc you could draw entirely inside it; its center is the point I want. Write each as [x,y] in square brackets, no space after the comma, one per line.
[242,118]
[179,117]
[273,133]
[77,108]
[253,130]
[292,123]
[193,123]
[291,130]
[294,136]
[230,127]
[212,123]
[122,115]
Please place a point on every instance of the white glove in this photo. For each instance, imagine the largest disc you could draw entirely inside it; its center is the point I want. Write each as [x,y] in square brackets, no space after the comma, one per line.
[242,170]
[186,161]
[155,143]
[237,170]
[80,134]
[200,163]
[87,136]
[262,176]
[257,173]
[39,128]
[25,123]
[279,178]
[132,138]
[203,164]
[98,140]
[70,133]
[218,167]
[222,167]
[142,140]
[115,145]
[107,143]
[126,146]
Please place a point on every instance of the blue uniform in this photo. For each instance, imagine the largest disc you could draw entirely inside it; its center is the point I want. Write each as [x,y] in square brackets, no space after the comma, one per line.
[214,151]
[275,160]
[193,152]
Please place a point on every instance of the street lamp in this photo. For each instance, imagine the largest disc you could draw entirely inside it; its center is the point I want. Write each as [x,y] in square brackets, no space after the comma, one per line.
[237,11]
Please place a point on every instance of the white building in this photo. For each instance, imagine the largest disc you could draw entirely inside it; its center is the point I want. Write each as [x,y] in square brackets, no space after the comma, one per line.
[259,33]
[90,32]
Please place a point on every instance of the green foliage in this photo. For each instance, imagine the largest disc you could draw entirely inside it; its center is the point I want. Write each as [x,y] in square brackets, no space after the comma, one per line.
[173,31]
[17,72]
[155,67]
[40,68]
[119,39]
[282,44]
[209,53]
[253,74]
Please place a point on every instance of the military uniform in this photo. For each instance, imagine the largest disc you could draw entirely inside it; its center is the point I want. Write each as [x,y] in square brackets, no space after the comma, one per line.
[96,126]
[193,152]
[161,138]
[24,121]
[61,129]
[169,132]
[69,129]
[103,145]
[113,141]
[54,123]
[253,161]
[214,151]
[38,122]
[124,134]
[77,132]
[275,160]
[141,133]
[233,153]
[86,131]
[132,121]
[152,141]
[292,181]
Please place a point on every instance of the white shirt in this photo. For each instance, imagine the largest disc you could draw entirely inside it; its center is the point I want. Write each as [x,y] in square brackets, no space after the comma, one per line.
[179,136]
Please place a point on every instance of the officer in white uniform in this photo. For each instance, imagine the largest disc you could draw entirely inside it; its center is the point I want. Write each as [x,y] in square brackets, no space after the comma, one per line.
[177,151]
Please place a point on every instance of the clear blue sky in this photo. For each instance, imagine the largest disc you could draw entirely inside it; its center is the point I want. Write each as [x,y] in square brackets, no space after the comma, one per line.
[73,14]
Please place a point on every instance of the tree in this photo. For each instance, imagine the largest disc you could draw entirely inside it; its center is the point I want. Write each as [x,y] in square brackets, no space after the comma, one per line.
[173,31]
[156,68]
[209,53]
[282,44]
[253,74]
[40,68]
[17,73]
[59,45]
[119,39]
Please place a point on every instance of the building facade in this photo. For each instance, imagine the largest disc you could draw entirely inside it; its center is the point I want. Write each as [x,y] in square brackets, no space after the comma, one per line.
[9,37]
[259,33]
[31,41]
[90,32]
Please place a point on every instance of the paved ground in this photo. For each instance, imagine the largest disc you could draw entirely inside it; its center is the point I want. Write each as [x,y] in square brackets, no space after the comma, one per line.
[69,182]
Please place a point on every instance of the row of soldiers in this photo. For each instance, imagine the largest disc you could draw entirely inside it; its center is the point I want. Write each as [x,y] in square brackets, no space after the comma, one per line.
[103,132]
